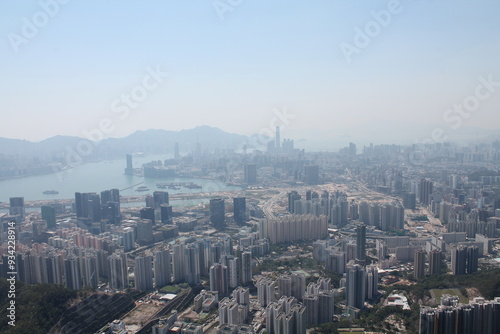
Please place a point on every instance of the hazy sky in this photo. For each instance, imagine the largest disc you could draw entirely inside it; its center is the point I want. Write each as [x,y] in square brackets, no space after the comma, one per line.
[230,63]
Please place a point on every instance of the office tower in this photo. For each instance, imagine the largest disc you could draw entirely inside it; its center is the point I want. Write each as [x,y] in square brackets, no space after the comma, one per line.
[472,259]
[292,197]
[144,232]
[192,266]
[178,263]
[160,197]
[176,151]
[355,287]
[49,214]
[16,206]
[219,279]
[166,213]
[161,268]
[150,201]
[217,214]
[129,170]
[72,272]
[458,260]
[361,242]
[148,213]
[81,200]
[419,264]
[240,210]
[311,174]
[143,273]
[110,212]
[435,262]
[426,191]
[128,239]
[94,207]
[250,173]
[246,268]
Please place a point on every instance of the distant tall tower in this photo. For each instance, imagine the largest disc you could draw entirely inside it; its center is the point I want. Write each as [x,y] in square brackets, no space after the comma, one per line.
[361,242]
[129,170]
[49,214]
[278,139]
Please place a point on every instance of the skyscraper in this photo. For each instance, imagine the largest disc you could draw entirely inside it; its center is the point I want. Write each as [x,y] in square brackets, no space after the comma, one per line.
[458,260]
[143,273]
[472,259]
[16,206]
[246,268]
[292,197]
[426,191]
[311,174]
[192,258]
[435,262]
[240,210]
[148,213]
[219,279]
[361,242]
[178,263]
[129,170]
[355,287]
[419,264]
[161,268]
[49,214]
[217,214]
[160,197]
[250,171]
[166,213]
[118,271]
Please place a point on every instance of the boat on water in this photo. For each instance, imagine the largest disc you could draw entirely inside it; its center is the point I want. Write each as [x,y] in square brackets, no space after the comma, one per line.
[51,192]
[142,188]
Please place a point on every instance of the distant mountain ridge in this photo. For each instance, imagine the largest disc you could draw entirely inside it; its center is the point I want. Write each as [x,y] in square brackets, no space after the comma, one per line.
[154,141]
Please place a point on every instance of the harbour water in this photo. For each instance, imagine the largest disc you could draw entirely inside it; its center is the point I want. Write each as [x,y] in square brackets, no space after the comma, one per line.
[99,176]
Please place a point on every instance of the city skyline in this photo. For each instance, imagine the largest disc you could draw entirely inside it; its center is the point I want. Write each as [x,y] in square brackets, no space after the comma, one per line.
[235,67]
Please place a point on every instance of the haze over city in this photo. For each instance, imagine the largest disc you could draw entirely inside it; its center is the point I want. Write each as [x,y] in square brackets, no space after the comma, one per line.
[249,167]
[230,67]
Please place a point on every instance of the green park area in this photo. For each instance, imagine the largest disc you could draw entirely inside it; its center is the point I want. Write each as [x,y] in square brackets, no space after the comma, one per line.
[437,293]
